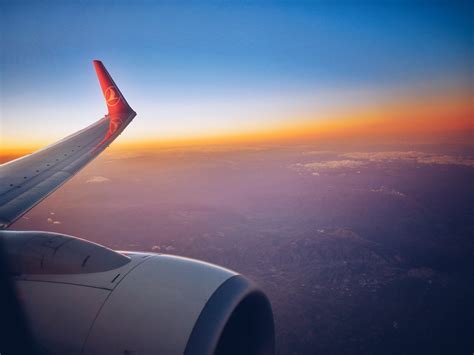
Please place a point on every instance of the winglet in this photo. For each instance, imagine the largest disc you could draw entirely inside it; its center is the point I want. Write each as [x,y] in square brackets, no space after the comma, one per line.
[113,97]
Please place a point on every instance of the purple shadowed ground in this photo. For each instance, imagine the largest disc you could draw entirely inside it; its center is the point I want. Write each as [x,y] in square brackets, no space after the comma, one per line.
[360,251]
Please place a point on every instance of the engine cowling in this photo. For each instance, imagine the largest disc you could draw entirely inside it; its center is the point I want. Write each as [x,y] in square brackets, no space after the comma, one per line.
[83,298]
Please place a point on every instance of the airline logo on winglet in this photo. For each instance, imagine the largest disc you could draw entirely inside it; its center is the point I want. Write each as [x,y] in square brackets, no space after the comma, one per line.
[114,99]
[111,96]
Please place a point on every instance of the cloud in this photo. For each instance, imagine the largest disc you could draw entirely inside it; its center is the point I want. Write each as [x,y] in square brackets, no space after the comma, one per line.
[97,179]
[446,160]
[382,156]
[52,221]
[318,152]
[411,156]
[170,248]
[355,160]
[316,167]
[387,191]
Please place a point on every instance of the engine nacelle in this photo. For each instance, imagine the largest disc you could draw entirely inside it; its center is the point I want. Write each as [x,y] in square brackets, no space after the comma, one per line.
[83,298]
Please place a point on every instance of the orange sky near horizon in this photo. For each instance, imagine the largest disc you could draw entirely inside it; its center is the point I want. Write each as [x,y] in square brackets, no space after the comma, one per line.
[432,119]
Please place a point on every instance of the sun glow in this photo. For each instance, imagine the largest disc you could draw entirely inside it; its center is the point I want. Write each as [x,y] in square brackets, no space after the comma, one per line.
[422,120]
[431,119]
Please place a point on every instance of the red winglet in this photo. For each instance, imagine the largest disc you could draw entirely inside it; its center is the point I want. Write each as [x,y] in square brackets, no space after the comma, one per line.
[113,97]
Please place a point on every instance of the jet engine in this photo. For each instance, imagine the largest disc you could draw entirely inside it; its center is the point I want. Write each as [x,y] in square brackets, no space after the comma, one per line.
[83,298]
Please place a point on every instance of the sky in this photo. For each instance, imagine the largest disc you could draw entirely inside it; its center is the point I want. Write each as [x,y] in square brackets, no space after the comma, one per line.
[230,71]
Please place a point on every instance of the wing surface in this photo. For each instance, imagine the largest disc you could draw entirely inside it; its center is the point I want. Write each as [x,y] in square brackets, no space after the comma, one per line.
[26,181]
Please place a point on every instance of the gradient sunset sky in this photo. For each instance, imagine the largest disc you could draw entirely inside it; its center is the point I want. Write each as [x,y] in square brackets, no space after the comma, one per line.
[223,71]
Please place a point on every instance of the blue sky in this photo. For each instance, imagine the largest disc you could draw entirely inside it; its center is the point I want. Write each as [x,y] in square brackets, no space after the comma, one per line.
[220,66]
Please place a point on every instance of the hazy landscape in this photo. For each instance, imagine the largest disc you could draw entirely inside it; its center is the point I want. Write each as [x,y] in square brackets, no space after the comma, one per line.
[366,250]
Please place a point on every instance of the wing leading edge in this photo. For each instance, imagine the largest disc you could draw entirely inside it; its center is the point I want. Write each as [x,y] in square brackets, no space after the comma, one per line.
[26,181]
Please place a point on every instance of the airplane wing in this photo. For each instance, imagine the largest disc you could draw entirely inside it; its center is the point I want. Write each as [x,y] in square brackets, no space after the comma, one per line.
[26,181]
